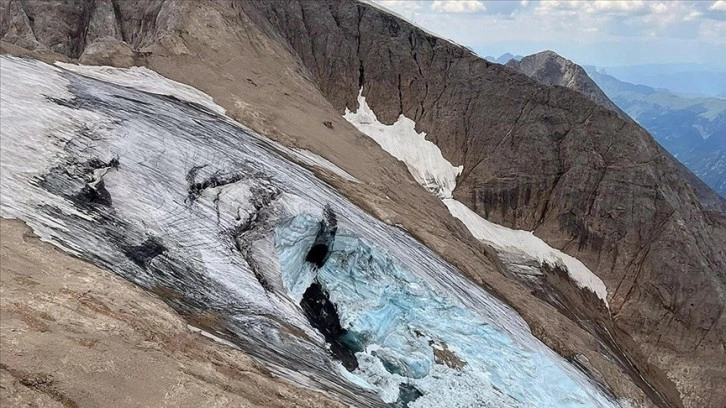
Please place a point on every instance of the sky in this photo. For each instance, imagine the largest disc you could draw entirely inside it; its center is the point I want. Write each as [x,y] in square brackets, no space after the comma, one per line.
[604,33]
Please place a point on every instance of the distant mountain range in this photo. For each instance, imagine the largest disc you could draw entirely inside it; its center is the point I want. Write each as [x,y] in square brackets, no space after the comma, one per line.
[693,129]
[689,79]
[504,58]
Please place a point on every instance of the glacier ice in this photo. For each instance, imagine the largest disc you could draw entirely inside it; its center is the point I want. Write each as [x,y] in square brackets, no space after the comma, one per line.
[197,204]
[396,322]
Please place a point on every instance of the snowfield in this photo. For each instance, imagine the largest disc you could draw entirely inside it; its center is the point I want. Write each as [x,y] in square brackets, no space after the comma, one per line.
[423,158]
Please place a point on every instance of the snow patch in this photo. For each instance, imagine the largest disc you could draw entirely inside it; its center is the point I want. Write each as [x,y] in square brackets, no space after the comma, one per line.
[525,245]
[146,80]
[423,158]
[311,159]
[211,336]
[428,166]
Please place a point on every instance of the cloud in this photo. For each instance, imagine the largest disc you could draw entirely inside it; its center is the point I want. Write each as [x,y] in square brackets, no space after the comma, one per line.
[400,5]
[458,6]
[613,31]
[599,7]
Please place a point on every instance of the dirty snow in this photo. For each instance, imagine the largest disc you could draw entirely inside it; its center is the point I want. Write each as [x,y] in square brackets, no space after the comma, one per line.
[144,79]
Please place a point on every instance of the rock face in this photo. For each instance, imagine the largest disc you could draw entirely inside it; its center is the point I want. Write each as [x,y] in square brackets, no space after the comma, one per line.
[535,157]
[549,68]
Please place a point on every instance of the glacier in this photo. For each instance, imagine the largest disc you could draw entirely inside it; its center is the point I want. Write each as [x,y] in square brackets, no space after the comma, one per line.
[155,184]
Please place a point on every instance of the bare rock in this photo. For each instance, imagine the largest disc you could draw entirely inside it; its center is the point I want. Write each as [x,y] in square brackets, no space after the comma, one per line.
[16,27]
[108,51]
[104,22]
[549,68]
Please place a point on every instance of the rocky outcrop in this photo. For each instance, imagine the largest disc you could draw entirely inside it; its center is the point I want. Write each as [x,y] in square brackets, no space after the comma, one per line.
[549,68]
[535,157]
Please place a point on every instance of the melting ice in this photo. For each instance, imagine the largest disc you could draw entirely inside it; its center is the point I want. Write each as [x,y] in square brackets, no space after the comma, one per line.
[406,332]
[169,194]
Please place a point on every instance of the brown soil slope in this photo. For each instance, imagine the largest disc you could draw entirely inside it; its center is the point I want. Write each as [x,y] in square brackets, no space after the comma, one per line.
[73,335]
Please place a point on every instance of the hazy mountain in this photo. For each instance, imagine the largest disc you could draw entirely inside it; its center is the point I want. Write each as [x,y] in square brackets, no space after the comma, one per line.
[504,58]
[677,78]
[692,129]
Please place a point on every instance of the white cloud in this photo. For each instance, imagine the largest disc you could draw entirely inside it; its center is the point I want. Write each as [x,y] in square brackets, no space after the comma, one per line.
[400,5]
[618,5]
[599,7]
[616,32]
[458,6]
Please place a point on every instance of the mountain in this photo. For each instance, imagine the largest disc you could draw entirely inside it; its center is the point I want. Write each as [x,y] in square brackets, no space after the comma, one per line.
[549,68]
[189,207]
[504,58]
[692,129]
[684,126]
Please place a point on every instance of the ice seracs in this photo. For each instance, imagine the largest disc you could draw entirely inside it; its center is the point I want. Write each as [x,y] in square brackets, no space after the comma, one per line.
[404,333]
[520,249]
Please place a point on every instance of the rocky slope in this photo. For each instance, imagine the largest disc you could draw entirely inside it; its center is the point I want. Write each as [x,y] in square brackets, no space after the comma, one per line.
[623,208]
[549,68]
[74,335]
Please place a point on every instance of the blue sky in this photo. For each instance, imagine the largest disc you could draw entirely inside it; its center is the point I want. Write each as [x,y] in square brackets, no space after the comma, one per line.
[597,32]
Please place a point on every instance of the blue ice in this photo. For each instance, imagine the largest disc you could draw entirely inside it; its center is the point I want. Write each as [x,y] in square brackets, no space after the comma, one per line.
[396,320]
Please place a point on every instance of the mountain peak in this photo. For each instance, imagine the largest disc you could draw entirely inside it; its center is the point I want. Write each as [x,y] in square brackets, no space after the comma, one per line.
[550,68]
